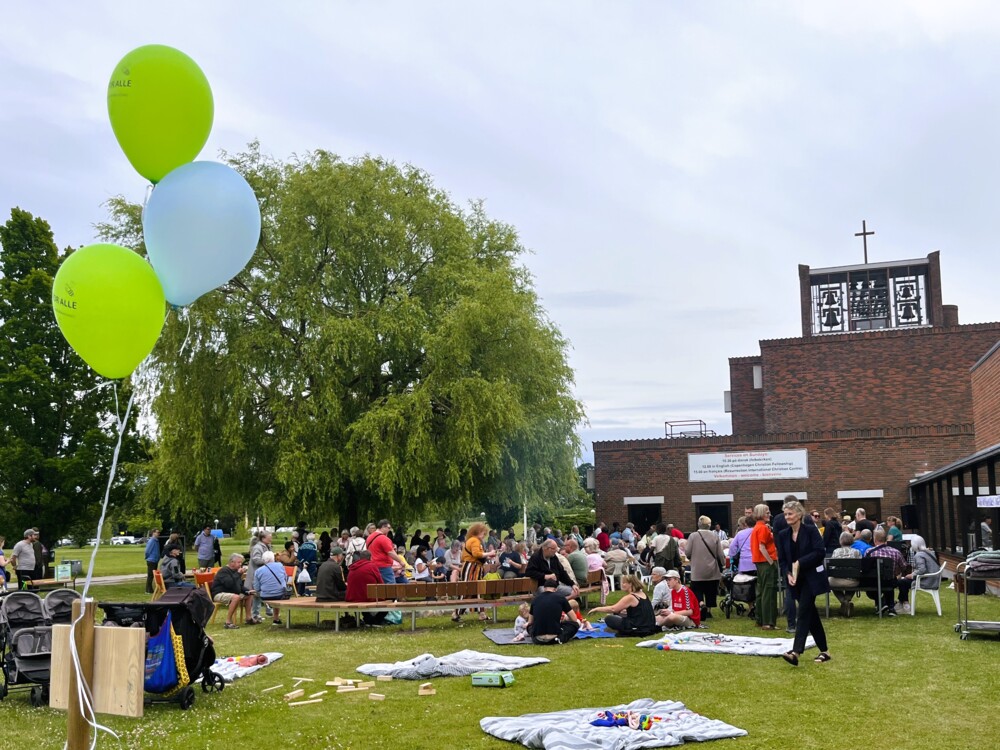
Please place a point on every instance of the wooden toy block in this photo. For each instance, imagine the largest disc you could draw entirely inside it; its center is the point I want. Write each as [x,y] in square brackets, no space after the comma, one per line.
[384,678]
[376,697]
[366,684]
[268,690]
[294,694]
[317,695]
[305,703]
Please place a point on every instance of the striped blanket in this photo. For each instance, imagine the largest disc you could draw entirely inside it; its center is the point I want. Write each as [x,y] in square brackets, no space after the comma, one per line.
[716,643]
[571,730]
[229,669]
[459,664]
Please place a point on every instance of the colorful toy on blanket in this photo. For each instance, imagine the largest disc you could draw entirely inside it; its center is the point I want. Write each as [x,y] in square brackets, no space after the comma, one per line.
[630,719]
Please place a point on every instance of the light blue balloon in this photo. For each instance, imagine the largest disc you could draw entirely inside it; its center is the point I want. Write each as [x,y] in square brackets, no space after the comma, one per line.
[201,225]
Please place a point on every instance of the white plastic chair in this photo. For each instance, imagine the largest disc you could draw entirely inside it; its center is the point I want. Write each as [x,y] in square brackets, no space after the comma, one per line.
[935,593]
[617,571]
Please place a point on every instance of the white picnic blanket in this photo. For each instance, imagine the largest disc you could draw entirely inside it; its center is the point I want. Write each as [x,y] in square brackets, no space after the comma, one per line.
[459,664]
[229,669]
[716,643]
[571,730]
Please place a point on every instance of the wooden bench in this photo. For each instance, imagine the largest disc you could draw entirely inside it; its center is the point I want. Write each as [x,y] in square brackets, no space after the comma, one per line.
[421,596]
[45,584]
[874,574]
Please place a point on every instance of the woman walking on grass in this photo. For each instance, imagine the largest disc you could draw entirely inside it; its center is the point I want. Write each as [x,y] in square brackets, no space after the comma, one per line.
[802,547]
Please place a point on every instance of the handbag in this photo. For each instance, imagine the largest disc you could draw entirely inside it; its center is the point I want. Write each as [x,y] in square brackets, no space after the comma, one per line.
[161,660]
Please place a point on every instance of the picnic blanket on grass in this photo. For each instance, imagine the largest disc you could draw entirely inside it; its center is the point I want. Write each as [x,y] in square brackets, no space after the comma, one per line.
[229,669]
[716,643]
[505,636]
[571,730]
[459,664]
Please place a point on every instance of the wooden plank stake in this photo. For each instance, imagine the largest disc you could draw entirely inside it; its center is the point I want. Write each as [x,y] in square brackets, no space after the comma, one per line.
[268,690]
[317,695]
[305,703]
[348,689]
[304,679]
[77,728]
[294,694]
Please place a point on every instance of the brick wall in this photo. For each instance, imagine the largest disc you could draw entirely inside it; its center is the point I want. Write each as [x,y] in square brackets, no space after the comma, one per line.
[870,379]
[986,399]
[883,459]
[747,401]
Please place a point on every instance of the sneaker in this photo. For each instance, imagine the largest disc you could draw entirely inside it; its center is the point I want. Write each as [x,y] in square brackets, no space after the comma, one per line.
[231,626]
[906,608]
[276,621]
[898,607]
[790,629]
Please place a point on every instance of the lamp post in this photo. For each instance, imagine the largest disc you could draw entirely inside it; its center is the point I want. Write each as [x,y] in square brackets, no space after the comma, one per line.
[216,523]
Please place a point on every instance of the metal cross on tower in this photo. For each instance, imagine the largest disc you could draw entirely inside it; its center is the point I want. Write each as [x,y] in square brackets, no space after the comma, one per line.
[863,234]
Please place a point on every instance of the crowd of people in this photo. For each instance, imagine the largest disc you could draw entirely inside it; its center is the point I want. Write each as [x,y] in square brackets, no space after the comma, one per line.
[786,553]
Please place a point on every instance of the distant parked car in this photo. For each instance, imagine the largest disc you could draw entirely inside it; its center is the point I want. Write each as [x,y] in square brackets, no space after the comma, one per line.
[119,540]
[92,542]
[64,542]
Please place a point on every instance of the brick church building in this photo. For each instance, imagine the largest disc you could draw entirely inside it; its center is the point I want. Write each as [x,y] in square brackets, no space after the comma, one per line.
[876,394]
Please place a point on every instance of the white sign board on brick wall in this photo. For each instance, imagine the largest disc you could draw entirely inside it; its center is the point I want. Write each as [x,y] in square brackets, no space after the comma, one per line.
[748,465]
[988,501]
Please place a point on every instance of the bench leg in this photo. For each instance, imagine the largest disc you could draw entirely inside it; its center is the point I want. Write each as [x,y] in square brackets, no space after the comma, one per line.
[413,621]
[317,618]
[288,619]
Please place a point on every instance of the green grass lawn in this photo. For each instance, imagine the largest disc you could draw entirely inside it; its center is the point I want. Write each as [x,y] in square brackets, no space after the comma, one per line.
[899,683]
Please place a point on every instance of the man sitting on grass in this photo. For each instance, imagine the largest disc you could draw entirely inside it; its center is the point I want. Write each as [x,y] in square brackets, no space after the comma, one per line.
[228,588]
[685,610]
[551,619]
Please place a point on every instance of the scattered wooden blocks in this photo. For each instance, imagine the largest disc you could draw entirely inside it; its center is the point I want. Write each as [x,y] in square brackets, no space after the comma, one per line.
[376,697]
[305,703]
[294,694]
[426,688]
[268,690]
[384,678]
[317,695]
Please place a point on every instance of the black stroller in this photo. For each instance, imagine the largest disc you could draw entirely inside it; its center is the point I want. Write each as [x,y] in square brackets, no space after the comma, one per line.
[189,610]
[25,646]
[741,593]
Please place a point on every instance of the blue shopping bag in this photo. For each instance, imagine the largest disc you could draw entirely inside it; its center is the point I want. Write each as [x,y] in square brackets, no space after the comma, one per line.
[161,661]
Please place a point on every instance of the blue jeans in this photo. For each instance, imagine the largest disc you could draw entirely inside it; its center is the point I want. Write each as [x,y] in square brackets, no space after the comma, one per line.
[182,585]
[387,575]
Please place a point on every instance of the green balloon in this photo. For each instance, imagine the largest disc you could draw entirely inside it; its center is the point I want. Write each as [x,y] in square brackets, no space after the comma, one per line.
[109,305]
[161,109]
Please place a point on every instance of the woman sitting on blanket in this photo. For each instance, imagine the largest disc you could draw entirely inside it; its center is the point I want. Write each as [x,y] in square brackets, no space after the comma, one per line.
[632,615]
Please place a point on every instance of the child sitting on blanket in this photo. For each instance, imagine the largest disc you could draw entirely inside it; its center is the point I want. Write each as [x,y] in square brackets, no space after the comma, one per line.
[521,623]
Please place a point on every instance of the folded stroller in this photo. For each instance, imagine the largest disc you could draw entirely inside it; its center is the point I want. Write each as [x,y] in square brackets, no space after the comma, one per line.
[741,593]
[25,646]
[179,651]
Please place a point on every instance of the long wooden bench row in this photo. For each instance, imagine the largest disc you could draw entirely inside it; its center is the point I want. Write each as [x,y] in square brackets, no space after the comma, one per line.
[433,597]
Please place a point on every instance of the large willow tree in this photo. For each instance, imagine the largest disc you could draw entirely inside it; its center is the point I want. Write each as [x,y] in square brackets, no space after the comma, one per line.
[383,354]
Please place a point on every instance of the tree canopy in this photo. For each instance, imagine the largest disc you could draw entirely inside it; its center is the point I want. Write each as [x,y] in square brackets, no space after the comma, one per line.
[58,433]
[383,354]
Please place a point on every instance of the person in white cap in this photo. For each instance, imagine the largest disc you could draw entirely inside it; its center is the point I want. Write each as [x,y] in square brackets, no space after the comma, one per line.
[686,611]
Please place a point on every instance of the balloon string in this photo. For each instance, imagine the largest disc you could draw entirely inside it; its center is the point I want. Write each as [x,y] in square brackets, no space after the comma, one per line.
[84,694]
[149,192]
[186,337]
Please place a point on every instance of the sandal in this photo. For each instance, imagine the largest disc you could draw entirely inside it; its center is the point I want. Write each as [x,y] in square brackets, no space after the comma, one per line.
[823,657]
[791,657]
[231,626]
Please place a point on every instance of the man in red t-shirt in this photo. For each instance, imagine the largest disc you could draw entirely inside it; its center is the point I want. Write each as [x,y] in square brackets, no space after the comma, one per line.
[686,611]
[379,543]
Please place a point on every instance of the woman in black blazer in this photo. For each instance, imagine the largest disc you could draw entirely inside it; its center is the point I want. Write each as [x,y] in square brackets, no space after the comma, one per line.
[801,546]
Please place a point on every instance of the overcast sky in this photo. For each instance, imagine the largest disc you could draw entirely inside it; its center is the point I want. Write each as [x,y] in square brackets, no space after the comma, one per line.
[668,164]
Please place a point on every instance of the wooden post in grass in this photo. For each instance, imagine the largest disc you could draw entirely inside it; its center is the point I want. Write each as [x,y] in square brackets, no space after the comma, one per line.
[77,728]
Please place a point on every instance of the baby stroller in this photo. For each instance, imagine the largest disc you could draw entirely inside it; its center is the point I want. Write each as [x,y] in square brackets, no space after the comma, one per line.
[741,593]
[58,606]
[185,612]
[25,646]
